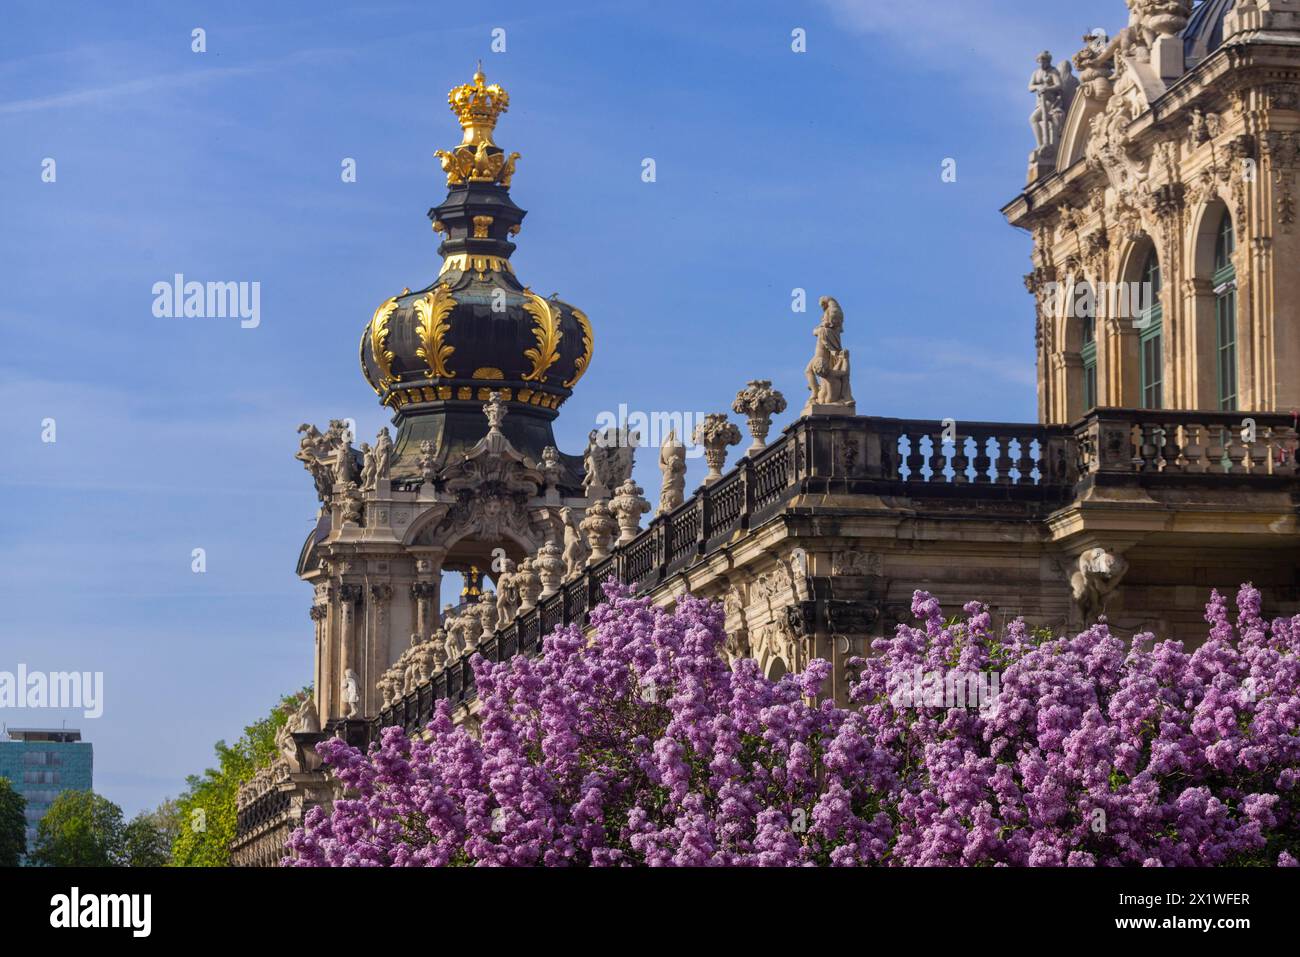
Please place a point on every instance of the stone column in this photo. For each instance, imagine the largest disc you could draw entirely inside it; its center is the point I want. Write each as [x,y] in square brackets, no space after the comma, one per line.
[425,595]
[349,595]
[381,594]
[319,613]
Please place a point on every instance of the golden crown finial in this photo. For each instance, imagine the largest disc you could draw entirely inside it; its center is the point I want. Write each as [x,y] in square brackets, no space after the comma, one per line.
[478,159]
[477,106]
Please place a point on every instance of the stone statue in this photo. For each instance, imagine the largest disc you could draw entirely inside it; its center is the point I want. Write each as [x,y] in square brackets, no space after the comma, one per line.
[507,593]
[351,693]
[1099,573]
[758,402]
[1048,119]
[345,461]
[495,410]
[349,497]
[576,551]
[311,453]
[367,467]
[551,467]
[828,372]
[608,460]
[455,626]
[1095,63]
[672,464]
[383,454]
[328,456]
[306,718]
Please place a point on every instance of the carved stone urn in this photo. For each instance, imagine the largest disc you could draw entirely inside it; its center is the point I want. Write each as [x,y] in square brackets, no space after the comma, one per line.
[439,642]
[529,584]
[550,568]
[599,527]
[758,402]
[473,628]
[715,433]
[627,508]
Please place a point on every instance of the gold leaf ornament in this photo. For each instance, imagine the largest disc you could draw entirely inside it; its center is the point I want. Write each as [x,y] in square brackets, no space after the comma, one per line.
[588,345]
[378,338]
[432,309]
[546,332]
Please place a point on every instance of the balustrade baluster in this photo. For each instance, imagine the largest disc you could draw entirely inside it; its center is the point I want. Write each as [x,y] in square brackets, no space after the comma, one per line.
[941,458]
[1236,450]
[915,460]
[1025,461]
[982,460]
[960,462]
[1003,462]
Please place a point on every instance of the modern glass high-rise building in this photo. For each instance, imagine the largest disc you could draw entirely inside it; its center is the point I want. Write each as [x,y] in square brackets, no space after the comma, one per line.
[42,762]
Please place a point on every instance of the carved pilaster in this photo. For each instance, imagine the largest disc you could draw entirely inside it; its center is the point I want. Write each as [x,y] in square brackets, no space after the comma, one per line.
[424,593]
[1282,149]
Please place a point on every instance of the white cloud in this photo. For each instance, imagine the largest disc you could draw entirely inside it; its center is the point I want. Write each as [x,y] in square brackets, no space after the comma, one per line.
[989,43]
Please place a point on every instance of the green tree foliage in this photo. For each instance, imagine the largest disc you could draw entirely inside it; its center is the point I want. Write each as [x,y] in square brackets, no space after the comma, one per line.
[80,829]
[150,835]
[206,809]
[13,825]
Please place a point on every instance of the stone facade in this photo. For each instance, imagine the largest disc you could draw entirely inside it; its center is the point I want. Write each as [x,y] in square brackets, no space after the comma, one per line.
[1187,117]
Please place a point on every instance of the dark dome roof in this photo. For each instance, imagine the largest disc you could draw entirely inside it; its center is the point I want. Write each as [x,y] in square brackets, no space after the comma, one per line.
[475,330]
[1204,31]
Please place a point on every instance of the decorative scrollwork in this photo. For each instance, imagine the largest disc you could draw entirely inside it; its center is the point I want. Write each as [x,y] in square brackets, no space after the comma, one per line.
[588,344]
[432,330]
[378,335]
[546,332]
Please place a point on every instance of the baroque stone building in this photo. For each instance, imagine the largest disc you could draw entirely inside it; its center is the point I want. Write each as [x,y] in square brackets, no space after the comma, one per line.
[1163,463]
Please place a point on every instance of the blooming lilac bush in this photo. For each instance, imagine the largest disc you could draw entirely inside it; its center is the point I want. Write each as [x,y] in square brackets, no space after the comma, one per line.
[1096,751]
[643,747]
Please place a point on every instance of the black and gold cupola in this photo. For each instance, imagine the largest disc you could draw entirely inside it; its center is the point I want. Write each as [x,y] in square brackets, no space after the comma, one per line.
[476,329]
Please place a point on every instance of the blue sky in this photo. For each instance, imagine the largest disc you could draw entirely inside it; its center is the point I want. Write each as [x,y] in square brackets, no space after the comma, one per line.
[776,170]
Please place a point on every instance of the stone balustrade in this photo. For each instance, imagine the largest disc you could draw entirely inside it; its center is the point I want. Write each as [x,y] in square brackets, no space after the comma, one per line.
[969,464]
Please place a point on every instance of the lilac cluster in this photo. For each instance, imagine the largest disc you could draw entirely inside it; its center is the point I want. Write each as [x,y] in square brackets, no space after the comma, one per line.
[1097,751]
[641,746]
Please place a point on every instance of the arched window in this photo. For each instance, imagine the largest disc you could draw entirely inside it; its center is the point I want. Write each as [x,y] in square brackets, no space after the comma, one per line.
[1151,340]
[1225,312]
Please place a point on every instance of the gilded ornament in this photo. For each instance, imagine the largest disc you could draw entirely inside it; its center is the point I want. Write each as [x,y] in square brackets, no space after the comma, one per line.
[432,309]
[378,337]
[477,159]
[546,332]
[588,343]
